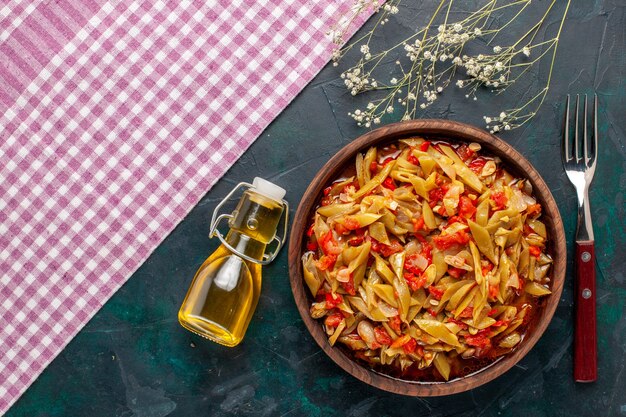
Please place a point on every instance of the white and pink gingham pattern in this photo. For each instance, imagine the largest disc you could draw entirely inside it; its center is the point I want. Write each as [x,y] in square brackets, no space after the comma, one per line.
[115,119]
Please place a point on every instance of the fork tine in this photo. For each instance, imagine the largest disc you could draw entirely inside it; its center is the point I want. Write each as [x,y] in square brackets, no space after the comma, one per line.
[595,128]
[565,147]
[576,152]
[585,136]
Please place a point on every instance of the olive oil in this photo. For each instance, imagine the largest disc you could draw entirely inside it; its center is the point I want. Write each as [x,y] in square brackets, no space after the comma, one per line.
[225,290]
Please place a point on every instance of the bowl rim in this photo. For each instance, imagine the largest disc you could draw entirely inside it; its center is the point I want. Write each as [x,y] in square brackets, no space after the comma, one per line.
[454,131]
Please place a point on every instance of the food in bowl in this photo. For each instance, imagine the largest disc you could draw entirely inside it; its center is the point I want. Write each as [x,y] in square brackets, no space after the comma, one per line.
[426,260]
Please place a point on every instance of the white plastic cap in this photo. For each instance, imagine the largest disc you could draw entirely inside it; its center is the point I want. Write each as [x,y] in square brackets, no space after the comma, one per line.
[268,189]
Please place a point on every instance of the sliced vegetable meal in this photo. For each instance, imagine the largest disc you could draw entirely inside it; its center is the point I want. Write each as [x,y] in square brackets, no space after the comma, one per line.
[427,259]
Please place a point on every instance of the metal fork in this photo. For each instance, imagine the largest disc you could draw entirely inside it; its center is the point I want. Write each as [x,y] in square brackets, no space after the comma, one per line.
[579,161]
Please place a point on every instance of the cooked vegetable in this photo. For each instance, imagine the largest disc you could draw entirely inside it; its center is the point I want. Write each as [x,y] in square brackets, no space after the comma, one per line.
[429,255]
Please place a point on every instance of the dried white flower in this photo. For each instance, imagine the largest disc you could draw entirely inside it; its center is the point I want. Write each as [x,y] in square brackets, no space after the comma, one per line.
[434,58]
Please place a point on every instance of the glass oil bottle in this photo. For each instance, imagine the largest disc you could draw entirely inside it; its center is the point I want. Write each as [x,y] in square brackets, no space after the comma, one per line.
[225,290]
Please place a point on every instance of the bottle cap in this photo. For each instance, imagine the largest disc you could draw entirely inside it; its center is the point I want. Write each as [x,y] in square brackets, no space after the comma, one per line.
[268,189]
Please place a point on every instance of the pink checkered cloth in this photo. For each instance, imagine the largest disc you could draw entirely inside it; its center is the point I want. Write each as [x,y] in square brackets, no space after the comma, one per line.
[116,117]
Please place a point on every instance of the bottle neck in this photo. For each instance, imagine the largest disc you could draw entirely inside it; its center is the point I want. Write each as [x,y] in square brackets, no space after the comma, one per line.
[245,244]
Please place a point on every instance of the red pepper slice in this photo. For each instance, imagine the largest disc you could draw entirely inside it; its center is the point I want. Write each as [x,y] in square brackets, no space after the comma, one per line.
[456,219]
[464,152]
[409,347]
[435,292]
[467,313]
[418,224]
[500,200]
[351,223]
[329,245]
[535,251]
[388,160]
[386,250]
[382,336]
[326,261]
[435,195]
[333,300]
[493,291]
[415,282]
[395,323]
[533,209]
[444,242]
[466,207]
[479,341]
[388,183]
[458,323]
[333,320]
[477,164]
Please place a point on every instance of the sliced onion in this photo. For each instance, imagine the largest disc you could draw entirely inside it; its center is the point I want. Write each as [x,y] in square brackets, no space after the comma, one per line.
[412,247]
[528,199]
[366,331]
[402,216]
[343,275]
[386,309]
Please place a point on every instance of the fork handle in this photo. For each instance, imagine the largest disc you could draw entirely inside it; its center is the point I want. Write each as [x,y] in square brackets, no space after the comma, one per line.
[585,345]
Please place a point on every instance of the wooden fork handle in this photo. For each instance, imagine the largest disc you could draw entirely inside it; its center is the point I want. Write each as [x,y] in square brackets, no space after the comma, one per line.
[585,344]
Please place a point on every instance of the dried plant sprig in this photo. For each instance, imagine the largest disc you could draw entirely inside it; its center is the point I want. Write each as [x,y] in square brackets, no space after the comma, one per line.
[436,57]
[516,117]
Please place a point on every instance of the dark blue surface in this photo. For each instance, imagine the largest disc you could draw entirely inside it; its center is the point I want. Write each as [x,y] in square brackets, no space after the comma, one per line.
[133,358]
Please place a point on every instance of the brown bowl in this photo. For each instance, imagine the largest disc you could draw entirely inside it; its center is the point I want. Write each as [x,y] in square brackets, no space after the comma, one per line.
[444,129]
